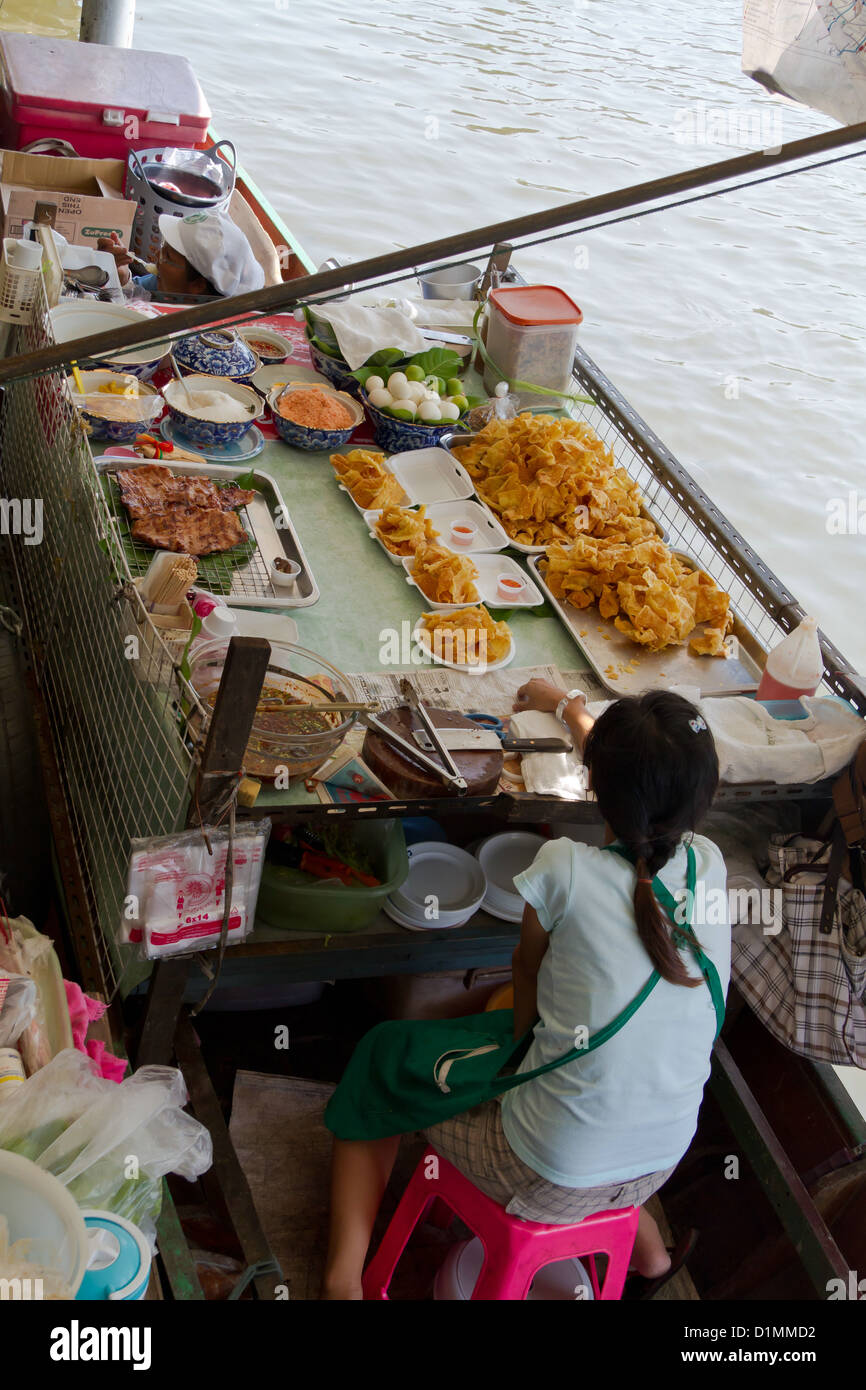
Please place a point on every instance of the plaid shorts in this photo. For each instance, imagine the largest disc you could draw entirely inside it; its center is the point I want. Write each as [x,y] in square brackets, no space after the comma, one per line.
[476,1144]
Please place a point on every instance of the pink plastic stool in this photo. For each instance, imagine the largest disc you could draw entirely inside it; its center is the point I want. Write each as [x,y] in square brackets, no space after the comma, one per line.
[514,1250]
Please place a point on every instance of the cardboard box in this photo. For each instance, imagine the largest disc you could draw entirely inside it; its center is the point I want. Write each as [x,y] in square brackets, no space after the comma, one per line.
[86,196]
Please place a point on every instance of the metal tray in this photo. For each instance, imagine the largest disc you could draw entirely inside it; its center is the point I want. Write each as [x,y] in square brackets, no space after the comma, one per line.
[266,519]
[450,439]
[604,647]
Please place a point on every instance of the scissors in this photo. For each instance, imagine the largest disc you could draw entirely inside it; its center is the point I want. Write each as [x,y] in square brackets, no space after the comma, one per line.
[512,744]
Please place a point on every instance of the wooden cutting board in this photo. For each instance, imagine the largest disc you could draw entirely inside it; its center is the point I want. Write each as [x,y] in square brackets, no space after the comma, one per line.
[409,779]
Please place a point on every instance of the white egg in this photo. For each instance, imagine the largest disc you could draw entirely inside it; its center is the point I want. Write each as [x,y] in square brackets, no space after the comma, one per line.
[374,383]
[397,384]
[449,411]
[404,404]
[415,392]
[380,398]
[430,395]
[430,411]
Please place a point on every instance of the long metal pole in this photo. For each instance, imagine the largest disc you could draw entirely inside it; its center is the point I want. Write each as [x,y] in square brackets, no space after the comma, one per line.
[110,22]
[287,295]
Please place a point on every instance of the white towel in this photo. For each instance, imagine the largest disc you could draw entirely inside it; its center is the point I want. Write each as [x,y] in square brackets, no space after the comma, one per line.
[549,774]
[361,331]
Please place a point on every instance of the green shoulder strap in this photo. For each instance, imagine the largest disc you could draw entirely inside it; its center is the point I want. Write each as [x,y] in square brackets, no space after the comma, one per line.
[683,929]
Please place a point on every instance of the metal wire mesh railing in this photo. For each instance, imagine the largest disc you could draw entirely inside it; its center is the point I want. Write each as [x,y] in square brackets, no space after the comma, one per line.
[116,704]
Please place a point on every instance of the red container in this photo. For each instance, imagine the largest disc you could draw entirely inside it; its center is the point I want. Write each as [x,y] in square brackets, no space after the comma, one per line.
[102,100]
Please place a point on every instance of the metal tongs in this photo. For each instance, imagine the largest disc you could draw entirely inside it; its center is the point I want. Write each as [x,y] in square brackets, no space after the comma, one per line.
[447,769]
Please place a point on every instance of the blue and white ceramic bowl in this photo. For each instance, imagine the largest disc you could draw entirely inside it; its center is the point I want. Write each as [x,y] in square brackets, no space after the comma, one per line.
[218,352]
[336,370]
[118,431]
[396,436]
[209,434]
[302,436]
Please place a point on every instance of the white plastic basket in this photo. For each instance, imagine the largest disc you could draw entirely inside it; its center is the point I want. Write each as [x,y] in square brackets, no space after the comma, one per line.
[18,287]
[145,240]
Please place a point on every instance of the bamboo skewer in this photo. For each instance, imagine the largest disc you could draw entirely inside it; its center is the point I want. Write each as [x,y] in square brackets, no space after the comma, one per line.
[270,705]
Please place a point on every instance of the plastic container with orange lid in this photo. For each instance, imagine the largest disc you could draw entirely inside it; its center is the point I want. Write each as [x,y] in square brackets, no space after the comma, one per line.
[532,335]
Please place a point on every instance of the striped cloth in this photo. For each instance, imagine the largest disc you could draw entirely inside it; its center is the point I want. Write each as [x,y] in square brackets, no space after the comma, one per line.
[808,989]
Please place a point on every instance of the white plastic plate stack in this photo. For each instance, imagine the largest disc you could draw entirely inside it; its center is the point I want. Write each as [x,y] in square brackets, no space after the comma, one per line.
[444,888]
[502,857]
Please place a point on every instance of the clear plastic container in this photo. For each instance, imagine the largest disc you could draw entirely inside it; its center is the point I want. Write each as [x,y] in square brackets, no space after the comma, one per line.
[532,335]
[794,667]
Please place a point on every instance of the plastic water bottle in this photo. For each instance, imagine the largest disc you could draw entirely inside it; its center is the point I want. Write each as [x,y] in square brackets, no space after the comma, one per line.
[795,666]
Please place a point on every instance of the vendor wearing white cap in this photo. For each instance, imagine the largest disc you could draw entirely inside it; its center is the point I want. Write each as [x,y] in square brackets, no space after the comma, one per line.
[203,255]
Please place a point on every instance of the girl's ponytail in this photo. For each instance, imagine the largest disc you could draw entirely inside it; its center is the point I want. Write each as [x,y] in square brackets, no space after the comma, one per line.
[652,928]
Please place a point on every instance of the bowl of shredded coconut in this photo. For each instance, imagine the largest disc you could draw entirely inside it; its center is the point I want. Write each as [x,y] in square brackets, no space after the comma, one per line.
[313,417]
[212,410]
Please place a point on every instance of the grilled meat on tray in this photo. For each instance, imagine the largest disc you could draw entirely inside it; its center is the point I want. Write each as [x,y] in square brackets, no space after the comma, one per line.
[190,530]
[186,514]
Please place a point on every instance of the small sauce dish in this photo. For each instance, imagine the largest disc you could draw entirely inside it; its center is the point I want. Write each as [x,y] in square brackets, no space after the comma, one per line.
[284,573]
[463,533]
[510,587]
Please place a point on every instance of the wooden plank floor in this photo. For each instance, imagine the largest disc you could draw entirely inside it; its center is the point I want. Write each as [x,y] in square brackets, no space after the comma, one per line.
[680,1288]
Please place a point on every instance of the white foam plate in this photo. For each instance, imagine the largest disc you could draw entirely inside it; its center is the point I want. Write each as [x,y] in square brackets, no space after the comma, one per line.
[489,568]
[463,667]
[431,475]
[444,872]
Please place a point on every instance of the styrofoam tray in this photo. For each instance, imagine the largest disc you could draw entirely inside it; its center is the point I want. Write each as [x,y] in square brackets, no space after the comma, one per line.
[443,516]
[462,666]
[431,475]
[489,568]
[404,501]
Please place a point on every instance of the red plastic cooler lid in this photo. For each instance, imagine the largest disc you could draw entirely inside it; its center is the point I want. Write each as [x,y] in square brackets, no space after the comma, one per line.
[534,304]
[59,74]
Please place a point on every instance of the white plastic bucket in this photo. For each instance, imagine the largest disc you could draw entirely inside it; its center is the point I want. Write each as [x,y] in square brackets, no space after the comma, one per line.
[564,1280]
[38,1209]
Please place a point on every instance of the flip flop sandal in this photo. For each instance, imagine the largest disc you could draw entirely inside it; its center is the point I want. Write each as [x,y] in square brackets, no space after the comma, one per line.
[638,1287]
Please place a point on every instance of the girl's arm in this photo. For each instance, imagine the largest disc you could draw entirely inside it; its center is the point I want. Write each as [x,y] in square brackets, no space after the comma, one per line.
[525,964]
[542,695]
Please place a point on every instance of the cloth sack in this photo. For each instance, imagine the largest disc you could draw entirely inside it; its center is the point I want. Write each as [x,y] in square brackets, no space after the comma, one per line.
[808,987]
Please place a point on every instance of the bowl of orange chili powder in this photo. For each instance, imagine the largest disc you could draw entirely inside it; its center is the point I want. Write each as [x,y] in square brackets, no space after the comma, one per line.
[313,417]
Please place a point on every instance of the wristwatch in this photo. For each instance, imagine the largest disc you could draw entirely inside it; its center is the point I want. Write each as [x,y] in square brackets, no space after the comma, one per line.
[560,708]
